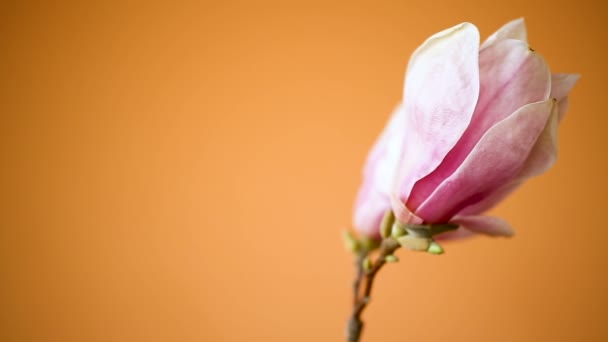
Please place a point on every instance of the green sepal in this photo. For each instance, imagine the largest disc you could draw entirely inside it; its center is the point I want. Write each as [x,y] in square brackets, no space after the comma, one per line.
[437,229]
[414,243]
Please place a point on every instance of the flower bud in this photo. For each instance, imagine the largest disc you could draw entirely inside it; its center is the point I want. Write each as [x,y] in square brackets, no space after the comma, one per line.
[441,157]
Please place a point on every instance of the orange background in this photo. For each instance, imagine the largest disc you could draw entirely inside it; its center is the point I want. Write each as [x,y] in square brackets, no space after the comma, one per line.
[182,172]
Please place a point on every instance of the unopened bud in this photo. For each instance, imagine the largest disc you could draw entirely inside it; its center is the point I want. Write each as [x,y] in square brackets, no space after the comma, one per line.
[368,243]
[367,264]
[435,248]
[387,223]
[398,230]
[391,258]
[350,242]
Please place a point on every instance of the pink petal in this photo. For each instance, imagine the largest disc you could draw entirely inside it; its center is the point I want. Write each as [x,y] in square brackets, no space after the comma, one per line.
[441,90]
[379,173]
[515,29]
[511,77]
[543,155]
[544,152]
[561,84]
[369,210]
[541,158]
[403,213]
[491,200]
[487,225]
[496,160]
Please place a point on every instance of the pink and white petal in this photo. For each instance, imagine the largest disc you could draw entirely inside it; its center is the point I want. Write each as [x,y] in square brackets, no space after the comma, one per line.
[491,200]
[515,29]
[511,76]
[496,160]
[544,153]
[369,210]
[403,213]
[441,90]
[486,225]
[379,172]
[563,108]
[561,84]
[541,158]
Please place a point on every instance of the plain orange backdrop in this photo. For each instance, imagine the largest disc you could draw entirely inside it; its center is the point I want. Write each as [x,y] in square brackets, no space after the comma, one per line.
[182,172]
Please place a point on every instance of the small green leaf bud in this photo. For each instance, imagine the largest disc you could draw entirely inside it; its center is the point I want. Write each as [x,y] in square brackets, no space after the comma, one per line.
[367,264]
[368,243]
[391,258]
[435,248]
[350,242]
[387,223]
[398,230]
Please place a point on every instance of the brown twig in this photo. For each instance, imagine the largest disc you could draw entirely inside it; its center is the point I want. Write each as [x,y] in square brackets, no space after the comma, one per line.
[355,324]
[359,277]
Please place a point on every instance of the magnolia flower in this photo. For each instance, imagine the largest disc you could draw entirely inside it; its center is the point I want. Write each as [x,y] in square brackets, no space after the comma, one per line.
[475,123]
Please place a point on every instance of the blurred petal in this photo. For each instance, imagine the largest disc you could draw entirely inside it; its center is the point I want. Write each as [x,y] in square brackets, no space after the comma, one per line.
[561,84]
[511,76]
[441,91]
[496,160]
[369,210]
[487,225]
[380,169]
[515,29]
[460,233]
